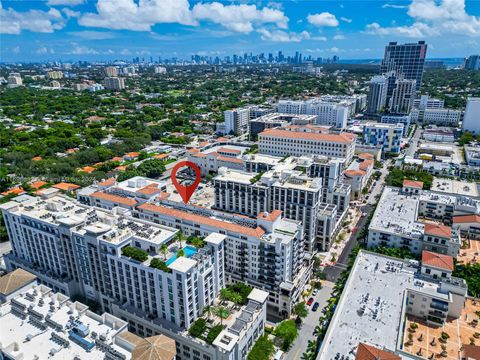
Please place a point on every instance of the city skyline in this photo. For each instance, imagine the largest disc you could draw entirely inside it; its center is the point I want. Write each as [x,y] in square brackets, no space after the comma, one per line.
[105,30]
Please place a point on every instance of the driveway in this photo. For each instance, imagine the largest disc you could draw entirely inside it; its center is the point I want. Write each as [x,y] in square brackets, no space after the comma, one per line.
[305,333]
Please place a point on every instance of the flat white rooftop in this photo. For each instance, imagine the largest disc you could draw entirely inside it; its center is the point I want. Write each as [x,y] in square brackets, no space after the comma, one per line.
[371,307]
[456,187]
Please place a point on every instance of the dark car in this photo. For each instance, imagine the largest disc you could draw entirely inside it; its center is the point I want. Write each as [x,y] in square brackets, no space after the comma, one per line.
[310,301]
[315,306]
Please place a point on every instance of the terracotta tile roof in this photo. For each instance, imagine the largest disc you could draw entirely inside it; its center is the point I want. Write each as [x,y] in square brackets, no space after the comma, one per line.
[339,138]
[95,118]
[275,214]
[412,183]
[460,219]
[354,172]
[15,280]
[221,139]
[368,352]
[87,169]
[437,260]
[121,168]
[37,158]
[215,223]
[365,164]
[163,195]
[149,190]
[438,230]
[71,151]
[133,154]
[66,186]
[203,143]
[113,198]
[200,155]
[160,156]
[471,352]
[109,182]
[193,151]
[14,191]
[37,184]
[227,150]
[365,156]
[116,158]
[229,159]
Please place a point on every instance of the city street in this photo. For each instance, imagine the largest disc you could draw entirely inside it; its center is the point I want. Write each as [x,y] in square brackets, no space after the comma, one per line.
[410,151]
[305,333]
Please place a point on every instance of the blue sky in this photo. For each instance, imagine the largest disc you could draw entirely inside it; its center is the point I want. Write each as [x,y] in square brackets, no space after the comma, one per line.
[121,29]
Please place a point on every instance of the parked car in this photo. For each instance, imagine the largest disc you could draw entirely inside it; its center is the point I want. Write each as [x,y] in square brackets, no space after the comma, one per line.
[315,306]
[310,301]
[315,292]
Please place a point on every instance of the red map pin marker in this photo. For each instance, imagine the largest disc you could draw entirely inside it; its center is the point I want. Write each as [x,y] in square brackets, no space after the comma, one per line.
[186,192]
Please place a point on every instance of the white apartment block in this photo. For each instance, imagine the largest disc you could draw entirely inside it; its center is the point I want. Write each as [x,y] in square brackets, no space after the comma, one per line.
[79,250]
[114,83]
[355,103]
[426,102]
[396,220]
[397,119]
[327,113]
[403,95]
[215,157]
[388,137]
[236,121]
[160,70]
[55,75]
[111,71]
[441,117]
[380,293]
[266,253]
[14,79]
[471,116]
[282,142]
[41,324]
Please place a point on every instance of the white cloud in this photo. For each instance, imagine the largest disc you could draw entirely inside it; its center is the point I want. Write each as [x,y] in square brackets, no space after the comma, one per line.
[323,19]
[82,50]
[125,52]
[16,50]
[14,22]
[339,37]
[69,13]
[141,16]
[283,36]
[433,18]
[394,6]
[64,2]
[319,38]
[239,18]
[345,19]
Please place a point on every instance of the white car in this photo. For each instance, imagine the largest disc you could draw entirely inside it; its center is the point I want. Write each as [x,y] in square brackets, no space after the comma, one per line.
[315,292]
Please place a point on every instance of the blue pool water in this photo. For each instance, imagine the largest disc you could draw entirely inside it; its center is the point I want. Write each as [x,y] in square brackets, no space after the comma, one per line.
[189,252]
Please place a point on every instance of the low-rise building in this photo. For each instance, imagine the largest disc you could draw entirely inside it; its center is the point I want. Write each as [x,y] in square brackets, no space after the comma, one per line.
[295,142]
[472,154]
[397,119]
[388,137]
[439,134]
[441,117]
[358,173]
[381,293]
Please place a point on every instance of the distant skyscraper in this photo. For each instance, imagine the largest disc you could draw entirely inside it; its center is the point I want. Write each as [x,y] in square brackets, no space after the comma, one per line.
[377,94]
[114,83]
[472,62]
[407,60]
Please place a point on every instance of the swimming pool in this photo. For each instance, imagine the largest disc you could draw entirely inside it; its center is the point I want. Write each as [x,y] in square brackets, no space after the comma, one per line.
[189,252]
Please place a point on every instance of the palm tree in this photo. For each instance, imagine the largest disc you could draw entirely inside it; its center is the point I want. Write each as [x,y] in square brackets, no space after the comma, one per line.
[208,310]
[222,312]
[179,237]
[164,250]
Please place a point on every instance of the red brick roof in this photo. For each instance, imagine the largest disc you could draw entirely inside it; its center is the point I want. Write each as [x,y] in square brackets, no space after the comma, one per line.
[412,183]
[215,223]
[460,219]
[149,190]
[14,191]
[365,156]
[113,198]
[229,159]
[368,352]
[365,164]
[339,138]
[437,260]
[354,172]
[270,216]
[438,230]
[471,352]
[227,150]
[109,182]
[37,184]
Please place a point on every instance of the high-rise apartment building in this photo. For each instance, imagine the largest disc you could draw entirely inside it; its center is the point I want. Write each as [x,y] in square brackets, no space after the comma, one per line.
[377,94]
[111,71]
[471,118]
[113,259]
[403,95]
[236,121]
[114,83]
[407,60]
[472,62]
